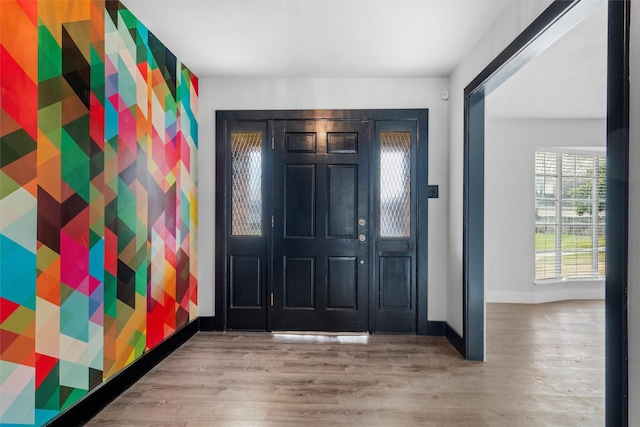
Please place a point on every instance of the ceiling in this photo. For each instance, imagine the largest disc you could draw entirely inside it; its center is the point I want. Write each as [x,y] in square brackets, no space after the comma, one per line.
[318,38]
[377,39]
[568,80]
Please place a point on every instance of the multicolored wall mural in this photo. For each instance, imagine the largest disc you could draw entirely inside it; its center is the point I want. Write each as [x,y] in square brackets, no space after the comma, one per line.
[98,200]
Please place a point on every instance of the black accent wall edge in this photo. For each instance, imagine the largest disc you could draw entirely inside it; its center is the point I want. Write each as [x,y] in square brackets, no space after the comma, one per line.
[208,323]
[456,340]
[97,399]
[435,328]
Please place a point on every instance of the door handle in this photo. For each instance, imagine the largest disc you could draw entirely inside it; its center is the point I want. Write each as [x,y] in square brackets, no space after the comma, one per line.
[362,237]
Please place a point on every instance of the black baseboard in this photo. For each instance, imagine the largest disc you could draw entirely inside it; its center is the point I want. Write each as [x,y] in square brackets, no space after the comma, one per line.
[435,328]
[208,323]
[101,396]
[456,340]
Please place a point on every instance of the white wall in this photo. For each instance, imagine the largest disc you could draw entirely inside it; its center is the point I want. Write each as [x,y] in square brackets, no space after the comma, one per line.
[634,221]
[510,147]
[291,94]
[518,15]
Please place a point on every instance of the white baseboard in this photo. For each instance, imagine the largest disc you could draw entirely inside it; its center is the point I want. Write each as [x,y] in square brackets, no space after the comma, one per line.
[551,291]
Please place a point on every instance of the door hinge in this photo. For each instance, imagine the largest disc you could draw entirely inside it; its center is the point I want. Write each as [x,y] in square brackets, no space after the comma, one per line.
[273,221]
[273,142]
[271,299]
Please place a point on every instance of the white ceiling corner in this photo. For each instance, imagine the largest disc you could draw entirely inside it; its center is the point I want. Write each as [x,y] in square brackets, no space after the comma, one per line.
[377,39]
[318,38]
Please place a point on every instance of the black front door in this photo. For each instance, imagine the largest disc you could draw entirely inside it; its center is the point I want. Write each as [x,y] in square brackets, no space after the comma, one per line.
[321,225]
[321,221]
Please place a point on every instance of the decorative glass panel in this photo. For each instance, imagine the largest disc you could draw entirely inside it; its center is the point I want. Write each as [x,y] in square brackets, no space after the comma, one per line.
[395,184]
[246,183]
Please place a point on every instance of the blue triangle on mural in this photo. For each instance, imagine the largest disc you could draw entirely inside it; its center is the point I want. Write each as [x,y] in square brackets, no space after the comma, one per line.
[17,273]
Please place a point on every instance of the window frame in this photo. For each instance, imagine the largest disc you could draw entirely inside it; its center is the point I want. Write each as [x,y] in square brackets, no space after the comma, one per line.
[560,201]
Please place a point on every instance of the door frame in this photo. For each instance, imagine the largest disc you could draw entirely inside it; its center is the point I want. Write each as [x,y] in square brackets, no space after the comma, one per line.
[420,116]
[546,29]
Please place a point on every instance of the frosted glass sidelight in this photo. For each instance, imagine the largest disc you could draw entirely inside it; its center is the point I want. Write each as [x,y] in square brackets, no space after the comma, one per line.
[395,184]
[246,183]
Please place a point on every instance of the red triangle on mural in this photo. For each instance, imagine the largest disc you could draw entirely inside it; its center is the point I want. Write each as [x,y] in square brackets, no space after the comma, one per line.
[6,308]
[44,366]
[19,95]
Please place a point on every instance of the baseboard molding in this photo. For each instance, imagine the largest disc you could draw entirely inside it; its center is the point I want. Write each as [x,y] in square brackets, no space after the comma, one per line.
[440,328]
[436,328]
[456,340]
[208,323]
[551,291]
[101,396]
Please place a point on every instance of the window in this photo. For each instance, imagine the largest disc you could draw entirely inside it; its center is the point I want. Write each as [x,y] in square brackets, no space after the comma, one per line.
[246,183]
[395,184]
[570,216]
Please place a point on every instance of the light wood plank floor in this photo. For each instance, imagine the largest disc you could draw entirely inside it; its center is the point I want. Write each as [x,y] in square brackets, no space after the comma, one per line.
[545,368]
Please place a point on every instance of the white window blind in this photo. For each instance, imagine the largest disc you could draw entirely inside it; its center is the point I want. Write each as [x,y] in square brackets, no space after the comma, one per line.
[570,215]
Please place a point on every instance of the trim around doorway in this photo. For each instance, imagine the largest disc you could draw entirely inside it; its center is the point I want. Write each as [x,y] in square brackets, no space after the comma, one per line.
[419,116]
[517,54]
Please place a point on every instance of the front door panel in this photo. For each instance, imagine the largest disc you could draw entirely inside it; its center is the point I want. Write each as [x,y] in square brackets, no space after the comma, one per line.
[321,226]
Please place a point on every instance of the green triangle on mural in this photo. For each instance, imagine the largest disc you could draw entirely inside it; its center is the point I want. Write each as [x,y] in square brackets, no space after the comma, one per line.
[142,254]
[74,155]
[111,212]
[141,279]
[48,392]
[53,404]
[75,166]
[125,235]
[49,122]
[128,18]
[69,396]
[79,130]
[49,54]
[97,164]
[110,295]
[78,179]
[14,146]
[94,237]
[138,341]
[97,75]
[7,185]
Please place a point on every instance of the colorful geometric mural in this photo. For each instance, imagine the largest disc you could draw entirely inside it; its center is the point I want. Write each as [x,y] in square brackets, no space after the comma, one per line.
[98,200]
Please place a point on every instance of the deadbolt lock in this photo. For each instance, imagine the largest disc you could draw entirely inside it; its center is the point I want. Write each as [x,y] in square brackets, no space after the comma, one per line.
[362,237]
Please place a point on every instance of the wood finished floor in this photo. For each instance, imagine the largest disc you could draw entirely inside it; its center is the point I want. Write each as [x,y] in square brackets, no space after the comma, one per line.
[545,368]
